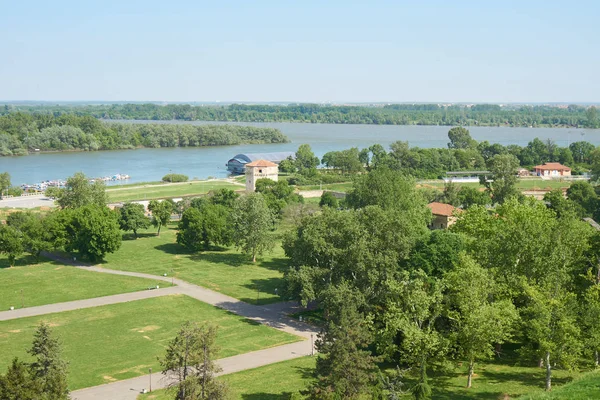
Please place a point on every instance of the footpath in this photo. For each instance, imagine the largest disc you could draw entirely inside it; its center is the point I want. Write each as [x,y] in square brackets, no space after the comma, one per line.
[273,315]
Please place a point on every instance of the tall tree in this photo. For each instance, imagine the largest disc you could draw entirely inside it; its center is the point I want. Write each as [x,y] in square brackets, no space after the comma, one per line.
[460,138]
[252,220]
[408,329]
[48,369]
[4,183]
[33,230]
[79,192]
[503,180]
[479,321]
[306,161]
[161,213]
[189,363]
[345,367]
[133,218]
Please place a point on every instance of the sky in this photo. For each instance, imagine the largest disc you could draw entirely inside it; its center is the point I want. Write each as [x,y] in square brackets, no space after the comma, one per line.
[300,51]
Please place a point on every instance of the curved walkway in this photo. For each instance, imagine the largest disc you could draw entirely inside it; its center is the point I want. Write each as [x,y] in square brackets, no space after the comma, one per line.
[274,315]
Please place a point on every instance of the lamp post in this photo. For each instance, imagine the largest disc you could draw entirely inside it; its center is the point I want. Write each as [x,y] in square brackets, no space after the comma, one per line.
[150,380]
[172,278]
[312,346]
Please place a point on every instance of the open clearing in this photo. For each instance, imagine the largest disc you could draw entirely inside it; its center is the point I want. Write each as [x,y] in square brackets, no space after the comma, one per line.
[149,192]
[226,271]
[121,341]
[47,282]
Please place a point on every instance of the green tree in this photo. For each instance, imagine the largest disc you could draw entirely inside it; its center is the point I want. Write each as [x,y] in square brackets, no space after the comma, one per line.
[581,151]
[479,320]
[11,243]
[4,183]
[503,180]
[287,166]
[590,322]
[306,161]
[133,218]
[583,194]
[48,369]
[460,138]
[470,196]
[551,326]
[53,192]
[252,220]
[161,213]
[79,192]
[224,197]
[328,200]
[592,117]
[199,228]
[93,231]
[345,368]
[408,331]
[189,363]
[17,384]
[33,230]
[437,253]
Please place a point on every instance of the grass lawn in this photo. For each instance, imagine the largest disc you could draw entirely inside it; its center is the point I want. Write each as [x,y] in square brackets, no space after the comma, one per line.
[492,381]
[166,191]
[586,387]
[226,271]
[121,341]
[271,382]
[48,282]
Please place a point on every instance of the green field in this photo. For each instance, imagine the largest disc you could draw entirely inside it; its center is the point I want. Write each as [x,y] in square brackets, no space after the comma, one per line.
[336,187]
[271,382]
[149,192]
[226,271]
[47,282]
[586,387]
[121,341]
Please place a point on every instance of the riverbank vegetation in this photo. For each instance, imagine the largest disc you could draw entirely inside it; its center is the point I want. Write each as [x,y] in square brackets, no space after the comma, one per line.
[390,114]
[21,133]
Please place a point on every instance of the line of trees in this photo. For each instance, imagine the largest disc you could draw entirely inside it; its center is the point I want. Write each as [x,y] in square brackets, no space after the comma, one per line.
[23,132]
[394,114]
[391,290]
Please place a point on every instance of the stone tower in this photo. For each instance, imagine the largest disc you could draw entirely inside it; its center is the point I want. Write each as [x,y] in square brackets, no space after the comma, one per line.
[260,169]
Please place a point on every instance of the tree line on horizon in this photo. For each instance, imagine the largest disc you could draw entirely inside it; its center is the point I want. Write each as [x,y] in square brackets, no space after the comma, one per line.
[21,133]
[391,114]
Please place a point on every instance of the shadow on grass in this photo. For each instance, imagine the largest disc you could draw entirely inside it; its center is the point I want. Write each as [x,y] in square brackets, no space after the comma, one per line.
[271,286]
[131,236]
[25,261]
[233,259]
[172,248]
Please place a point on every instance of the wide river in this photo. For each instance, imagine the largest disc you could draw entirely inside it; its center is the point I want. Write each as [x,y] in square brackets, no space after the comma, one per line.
[202,162]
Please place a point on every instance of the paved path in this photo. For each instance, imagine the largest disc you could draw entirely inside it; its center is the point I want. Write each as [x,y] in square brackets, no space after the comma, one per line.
[129,389]
[27,202]
[274,315]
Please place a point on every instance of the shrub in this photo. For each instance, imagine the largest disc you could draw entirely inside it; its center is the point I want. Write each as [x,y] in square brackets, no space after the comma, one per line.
[175,178]
[15,191]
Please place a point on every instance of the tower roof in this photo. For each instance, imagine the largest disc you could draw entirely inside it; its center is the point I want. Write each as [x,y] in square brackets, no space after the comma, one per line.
[261,163]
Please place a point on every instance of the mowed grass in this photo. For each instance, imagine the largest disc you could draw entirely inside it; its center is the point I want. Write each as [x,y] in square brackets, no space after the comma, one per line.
[225,271]
[586,387]
[492,381]
[149,192]
[34,284]
[271,382]
[121,341]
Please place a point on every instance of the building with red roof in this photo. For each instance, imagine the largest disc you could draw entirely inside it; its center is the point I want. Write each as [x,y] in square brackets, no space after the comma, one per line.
[444,215]
[552,169]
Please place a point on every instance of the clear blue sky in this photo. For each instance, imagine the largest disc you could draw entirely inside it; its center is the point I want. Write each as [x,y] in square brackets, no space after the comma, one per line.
[283,50]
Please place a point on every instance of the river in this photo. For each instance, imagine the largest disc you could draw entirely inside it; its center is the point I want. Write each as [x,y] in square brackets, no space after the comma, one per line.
[145,165]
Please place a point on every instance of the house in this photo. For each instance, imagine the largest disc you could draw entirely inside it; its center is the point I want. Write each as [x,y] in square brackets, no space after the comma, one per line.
[522,172]
[260,169]
[444,215]
[552,169]
[237,164]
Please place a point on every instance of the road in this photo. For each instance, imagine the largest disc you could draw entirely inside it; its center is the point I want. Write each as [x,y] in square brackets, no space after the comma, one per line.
[27,202]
